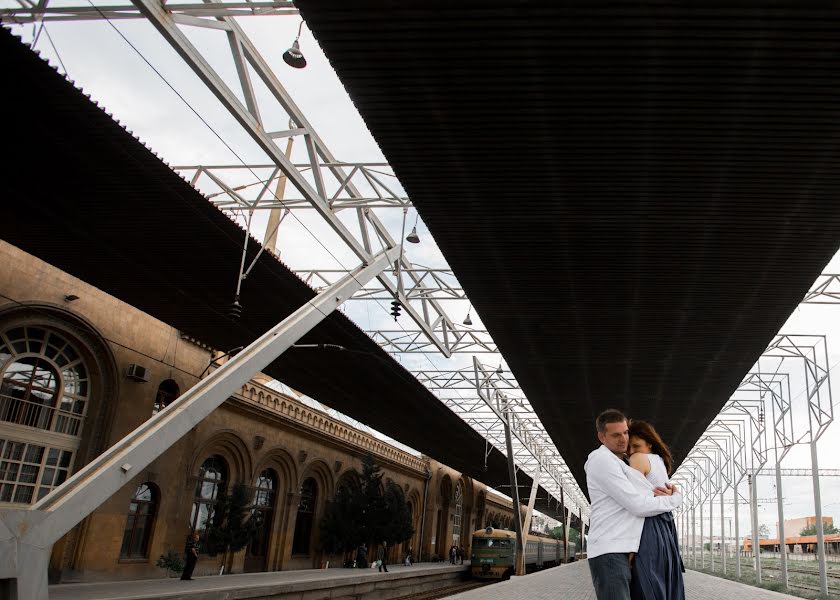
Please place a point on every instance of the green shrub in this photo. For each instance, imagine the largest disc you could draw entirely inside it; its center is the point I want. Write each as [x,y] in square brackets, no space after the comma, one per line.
[172,562]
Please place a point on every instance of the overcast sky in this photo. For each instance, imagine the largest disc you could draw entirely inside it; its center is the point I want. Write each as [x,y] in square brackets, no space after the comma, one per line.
[102,63]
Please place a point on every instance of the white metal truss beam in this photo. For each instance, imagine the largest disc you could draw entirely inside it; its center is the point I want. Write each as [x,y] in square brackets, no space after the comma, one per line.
[802,473]
[45,11]
[375,178]
[473,341]
[826,290]
[437,284]
[27,535]
[431,318]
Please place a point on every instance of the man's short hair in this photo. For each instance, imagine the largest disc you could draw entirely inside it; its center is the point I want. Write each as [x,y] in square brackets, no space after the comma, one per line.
[608,416]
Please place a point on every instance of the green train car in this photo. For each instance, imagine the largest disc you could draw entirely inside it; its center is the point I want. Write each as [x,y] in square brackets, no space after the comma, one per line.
[494,551]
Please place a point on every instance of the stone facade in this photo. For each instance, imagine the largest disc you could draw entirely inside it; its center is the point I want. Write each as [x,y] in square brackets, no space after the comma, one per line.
[81,369]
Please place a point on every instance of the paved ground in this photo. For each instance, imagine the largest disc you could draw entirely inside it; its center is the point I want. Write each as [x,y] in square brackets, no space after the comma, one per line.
[174,588]
[572,582]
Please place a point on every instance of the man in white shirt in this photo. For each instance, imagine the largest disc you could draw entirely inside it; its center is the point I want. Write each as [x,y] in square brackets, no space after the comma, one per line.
[621,498]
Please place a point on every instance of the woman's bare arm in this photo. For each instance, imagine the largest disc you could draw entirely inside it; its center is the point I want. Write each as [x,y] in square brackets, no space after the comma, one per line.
[640,462]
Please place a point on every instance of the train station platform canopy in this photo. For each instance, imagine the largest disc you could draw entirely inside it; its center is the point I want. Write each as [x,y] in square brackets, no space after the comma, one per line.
[86,196]
[634,196]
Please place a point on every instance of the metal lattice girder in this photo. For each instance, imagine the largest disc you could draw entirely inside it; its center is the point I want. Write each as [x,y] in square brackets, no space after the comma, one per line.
[431,284]
[220,184]
[803,473]
[44,10]
[464,379]
[812,350]
[826,290]
[474,341]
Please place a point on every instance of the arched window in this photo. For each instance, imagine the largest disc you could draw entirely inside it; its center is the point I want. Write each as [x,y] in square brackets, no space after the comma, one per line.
[265,490]
[167,391]
[139,523]
[44,385]
[458,515]
[212,477]
[44,380]
[305,516]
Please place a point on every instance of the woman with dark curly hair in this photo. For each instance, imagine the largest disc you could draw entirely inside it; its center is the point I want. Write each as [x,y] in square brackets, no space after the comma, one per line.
[657,567]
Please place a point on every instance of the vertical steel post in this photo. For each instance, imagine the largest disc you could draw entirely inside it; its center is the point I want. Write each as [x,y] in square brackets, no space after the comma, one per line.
[517,517]
[781,512]
[754,510]
[722,536]
[693,537]
[815,475]
[711,526]
[566,525]
[702,543]
[737,534]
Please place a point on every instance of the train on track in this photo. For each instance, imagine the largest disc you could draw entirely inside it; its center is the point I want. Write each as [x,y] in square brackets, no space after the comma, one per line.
[494,553]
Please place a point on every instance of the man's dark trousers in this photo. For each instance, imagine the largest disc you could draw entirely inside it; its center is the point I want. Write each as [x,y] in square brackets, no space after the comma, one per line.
[611,576]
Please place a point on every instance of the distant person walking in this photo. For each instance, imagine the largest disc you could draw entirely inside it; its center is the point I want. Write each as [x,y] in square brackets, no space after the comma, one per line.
[190,557]
[461,554]
[382,557]
[453,554]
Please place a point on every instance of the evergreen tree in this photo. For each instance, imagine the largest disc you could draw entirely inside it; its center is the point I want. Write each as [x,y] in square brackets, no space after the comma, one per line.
[342,527]
[232,524]
[397,518]
[364,514]
[372,501]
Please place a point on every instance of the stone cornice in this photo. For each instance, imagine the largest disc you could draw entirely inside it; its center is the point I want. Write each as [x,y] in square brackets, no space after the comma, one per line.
[304,417]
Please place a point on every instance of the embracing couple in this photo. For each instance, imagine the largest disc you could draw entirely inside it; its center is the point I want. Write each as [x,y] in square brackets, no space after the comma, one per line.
[632,544]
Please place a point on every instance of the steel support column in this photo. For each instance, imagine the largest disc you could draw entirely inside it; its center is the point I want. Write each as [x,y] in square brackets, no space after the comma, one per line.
[722,536]
[517,517]
[27,535]
[737,533]
[818,514]
[756,547]
[693,538]
[781,511]
[520,563]
[711,527]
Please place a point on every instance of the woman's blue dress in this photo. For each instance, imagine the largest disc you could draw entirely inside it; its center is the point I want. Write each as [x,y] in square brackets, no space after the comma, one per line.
[658,568]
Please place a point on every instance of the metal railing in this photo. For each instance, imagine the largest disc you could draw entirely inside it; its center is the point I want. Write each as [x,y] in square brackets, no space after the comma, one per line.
[40,416]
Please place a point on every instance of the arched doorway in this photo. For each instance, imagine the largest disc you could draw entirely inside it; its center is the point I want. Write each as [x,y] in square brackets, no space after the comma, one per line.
[302,541]
[211,482]
[458,515]
[265,493]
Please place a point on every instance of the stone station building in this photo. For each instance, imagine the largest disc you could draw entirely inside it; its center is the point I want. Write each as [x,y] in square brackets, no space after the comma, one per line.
[80,369]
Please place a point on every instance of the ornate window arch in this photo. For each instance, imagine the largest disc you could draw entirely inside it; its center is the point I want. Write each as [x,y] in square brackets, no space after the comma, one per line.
[140,522]
[45,385]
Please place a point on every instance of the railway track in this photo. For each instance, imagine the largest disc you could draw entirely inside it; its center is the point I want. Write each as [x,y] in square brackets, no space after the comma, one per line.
[448,591]
[804,586]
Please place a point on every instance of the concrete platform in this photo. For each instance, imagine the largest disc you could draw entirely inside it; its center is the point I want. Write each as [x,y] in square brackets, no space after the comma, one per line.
[573,582]
[335,584]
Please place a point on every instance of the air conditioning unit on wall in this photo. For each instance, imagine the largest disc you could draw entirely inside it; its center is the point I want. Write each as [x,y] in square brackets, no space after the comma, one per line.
[137,373]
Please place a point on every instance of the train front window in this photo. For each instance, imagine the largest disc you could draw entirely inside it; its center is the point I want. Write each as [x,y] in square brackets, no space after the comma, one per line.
[491,543]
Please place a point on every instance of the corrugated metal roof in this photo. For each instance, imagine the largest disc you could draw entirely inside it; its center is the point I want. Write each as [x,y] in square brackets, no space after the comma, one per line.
[634,195]
[84,195]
